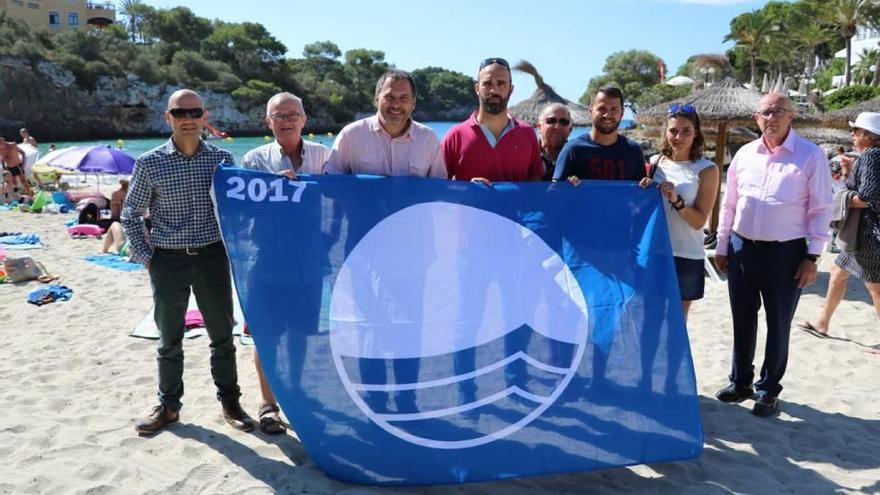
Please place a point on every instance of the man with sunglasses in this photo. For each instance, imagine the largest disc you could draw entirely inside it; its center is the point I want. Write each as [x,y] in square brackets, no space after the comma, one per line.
[603,153]
[554,126]
[491,145]
[184,252]
[773,226]
[390,142]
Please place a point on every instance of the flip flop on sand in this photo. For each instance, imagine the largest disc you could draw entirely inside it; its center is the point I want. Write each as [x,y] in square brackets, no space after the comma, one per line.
[873,350]
[270,421]
[812,330]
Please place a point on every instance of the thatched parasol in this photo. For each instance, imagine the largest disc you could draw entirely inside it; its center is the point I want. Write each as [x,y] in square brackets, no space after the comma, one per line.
[529,110]
[840,119]
[765,86]
[725,103]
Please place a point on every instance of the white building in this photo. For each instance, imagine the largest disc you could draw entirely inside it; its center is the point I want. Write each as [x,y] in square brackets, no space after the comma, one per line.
[864,40]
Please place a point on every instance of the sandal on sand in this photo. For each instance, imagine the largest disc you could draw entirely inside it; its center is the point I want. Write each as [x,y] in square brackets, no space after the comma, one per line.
[270,421]
[812,330]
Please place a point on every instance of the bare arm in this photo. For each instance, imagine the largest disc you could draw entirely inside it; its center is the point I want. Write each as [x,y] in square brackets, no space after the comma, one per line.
[697,214]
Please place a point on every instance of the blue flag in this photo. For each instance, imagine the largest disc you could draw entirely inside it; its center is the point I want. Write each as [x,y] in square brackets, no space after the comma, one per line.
[424,331]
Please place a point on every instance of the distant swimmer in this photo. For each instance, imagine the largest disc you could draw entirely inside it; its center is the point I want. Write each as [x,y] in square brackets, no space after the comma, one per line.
[491,145]
[13,164]
[603,153]
[26,138]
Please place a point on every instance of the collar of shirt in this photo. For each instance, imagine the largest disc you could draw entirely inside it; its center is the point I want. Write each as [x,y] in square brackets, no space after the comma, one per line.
[490,136]
[280,149]
[375,126]
[171,149]
[787,145]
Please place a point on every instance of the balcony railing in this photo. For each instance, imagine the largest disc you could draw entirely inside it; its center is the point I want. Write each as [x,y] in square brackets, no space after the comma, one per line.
[100,6]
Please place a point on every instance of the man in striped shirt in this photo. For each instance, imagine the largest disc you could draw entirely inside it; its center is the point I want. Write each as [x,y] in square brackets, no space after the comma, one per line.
[183,252]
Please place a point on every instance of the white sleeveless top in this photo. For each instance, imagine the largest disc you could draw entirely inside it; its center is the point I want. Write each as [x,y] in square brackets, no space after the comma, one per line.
[687,242]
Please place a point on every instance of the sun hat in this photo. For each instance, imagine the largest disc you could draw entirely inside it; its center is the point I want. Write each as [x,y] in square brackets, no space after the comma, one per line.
[869,121]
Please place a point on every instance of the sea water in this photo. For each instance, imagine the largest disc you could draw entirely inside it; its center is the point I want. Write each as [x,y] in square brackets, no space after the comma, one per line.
[238,146]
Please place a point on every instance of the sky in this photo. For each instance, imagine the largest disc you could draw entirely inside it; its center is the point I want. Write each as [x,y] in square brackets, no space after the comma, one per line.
[567,40]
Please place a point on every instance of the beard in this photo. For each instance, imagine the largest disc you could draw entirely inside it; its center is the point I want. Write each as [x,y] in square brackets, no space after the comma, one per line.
[494,104]
[604,128]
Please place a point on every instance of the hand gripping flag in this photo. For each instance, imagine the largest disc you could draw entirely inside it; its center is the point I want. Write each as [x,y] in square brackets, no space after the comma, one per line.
[423,331]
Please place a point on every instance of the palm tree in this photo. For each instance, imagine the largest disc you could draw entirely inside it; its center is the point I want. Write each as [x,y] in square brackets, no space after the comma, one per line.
[135,11]
[809,37]
[847,16]
[752,31]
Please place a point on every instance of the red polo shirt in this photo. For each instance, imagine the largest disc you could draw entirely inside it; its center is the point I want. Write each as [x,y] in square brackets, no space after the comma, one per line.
[515,158]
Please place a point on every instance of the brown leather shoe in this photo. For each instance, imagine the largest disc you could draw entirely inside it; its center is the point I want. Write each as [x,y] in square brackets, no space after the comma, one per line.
[160,417]
[236,417]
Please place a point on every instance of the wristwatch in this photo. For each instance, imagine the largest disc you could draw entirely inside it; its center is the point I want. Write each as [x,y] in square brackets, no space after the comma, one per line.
[812,257]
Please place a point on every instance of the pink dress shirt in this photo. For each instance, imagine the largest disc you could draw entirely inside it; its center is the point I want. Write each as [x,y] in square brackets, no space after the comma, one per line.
[777,195]
[363,147]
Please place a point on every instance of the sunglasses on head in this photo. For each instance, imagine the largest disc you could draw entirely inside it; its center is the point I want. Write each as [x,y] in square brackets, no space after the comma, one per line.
[187,113]
[682,109]
[553,120]
[494,60]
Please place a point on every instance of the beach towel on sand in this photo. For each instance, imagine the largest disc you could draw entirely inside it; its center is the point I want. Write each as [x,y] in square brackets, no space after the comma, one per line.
[49,294]
[21,241]
[114,261]
[147,329]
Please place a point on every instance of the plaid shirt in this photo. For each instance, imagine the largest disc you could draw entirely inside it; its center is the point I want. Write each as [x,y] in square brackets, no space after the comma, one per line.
[176,189]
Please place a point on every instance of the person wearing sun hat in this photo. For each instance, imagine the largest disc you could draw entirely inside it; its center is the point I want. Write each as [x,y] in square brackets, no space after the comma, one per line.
[863,259]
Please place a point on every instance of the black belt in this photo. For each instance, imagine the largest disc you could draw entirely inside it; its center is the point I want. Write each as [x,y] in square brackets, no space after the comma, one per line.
[767,243]
[189,251]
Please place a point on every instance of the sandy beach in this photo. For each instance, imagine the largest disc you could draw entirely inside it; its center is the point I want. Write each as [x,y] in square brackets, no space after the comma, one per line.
[73,382]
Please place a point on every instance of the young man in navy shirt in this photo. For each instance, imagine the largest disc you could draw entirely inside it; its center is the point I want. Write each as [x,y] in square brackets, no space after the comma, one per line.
[603,153]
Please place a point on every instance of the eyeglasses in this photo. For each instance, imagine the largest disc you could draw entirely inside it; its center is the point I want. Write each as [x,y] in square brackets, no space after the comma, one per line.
[682,109]
[187,113]
[553,121]
[290,117]
[494,60]
[774,112]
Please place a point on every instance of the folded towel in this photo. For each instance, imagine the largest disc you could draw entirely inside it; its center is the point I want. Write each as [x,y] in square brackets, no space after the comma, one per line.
[49,294]
[845,220]
[114,261]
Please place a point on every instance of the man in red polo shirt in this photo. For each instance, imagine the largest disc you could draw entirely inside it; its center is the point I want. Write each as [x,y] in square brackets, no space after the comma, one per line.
[491,145]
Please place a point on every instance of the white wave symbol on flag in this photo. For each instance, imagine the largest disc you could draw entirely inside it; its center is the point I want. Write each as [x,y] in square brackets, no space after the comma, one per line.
[479,322]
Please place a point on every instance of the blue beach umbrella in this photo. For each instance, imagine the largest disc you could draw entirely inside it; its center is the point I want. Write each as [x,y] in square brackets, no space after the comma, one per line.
[90,159]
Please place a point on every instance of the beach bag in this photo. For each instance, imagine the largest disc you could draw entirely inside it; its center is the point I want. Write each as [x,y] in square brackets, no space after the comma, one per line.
[89,214]
[40,201]
[25,268]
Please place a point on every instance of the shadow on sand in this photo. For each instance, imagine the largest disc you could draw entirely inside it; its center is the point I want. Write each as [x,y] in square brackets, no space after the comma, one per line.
[735,460]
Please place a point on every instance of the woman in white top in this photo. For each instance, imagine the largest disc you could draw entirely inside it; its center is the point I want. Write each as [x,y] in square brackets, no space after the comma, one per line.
[689,183]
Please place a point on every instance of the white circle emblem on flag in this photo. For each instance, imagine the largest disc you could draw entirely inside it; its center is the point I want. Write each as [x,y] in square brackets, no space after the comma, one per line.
[443,314]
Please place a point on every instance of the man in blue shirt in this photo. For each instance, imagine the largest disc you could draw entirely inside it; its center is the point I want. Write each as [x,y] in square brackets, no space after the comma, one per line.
[183,252]
[603,153]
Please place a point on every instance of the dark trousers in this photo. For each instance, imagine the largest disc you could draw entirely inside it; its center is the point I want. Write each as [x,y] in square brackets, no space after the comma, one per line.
[207,274]
[762,271]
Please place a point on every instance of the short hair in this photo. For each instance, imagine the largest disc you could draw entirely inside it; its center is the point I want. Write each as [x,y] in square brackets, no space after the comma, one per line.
[284,95]
[609,90]
[552,106]
[396,75]
[23,130]
[696,151]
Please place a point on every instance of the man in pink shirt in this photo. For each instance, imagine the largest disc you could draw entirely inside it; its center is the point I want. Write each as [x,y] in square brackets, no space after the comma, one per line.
[773,226]
[390,142]
[491,145]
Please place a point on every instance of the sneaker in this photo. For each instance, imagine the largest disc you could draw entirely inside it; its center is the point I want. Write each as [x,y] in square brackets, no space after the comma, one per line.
[236,417]
[732,393]
[160,417]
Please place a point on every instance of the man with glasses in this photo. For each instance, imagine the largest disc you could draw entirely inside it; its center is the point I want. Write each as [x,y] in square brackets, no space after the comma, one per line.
[183,252]
[491,145]
[390,142]
[773,227]
[290,153]
[603,153]
[554,126]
